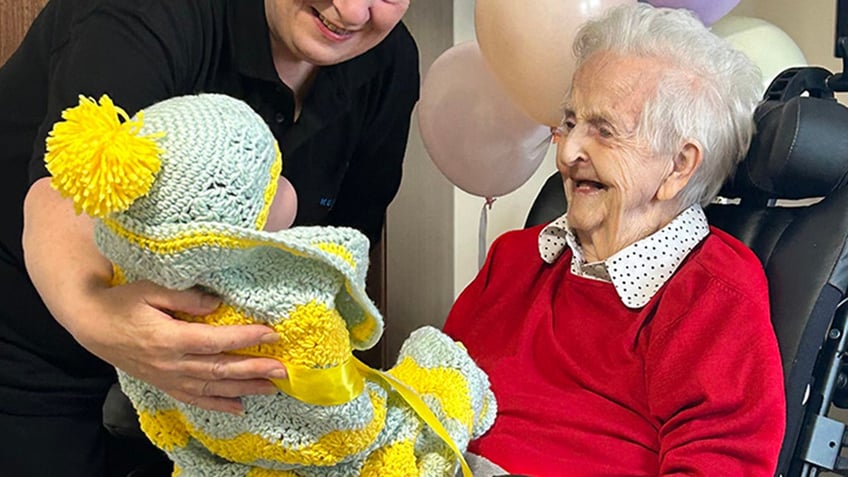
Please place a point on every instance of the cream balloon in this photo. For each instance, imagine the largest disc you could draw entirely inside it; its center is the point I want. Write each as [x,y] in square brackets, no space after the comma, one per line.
[527,43]
[769,47]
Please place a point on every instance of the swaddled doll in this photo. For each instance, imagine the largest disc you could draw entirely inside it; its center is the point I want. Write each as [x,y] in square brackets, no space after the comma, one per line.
[185,192]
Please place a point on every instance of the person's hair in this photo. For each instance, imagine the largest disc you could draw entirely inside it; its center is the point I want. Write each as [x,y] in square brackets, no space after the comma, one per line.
[708,93]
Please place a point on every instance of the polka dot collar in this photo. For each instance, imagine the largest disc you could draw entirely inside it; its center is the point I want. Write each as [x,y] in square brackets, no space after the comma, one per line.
[639,270]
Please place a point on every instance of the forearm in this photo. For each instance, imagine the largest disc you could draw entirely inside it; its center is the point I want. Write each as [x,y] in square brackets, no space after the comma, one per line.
[130,325]
[61,258]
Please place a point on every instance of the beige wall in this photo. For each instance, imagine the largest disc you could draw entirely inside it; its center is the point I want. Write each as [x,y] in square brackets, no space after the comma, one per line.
[419,226]
[432,226]
[810,23]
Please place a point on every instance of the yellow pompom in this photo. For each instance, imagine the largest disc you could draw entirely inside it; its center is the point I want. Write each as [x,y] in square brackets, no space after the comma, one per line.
[99,161]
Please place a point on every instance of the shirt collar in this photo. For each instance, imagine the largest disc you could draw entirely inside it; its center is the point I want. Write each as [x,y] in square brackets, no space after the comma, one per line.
[639,270]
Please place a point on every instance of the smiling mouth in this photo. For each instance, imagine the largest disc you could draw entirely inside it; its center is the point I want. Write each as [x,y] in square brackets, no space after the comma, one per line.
[331,26]
[588,185]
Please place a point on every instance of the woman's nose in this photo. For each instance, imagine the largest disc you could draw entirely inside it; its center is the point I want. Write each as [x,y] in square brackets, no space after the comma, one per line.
[571,147]
[353,13]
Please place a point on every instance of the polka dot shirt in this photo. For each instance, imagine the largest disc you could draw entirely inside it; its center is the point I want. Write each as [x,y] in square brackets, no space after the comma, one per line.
[639,270]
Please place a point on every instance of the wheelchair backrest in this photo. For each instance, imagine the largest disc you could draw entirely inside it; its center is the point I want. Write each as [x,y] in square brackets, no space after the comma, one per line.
[792,211]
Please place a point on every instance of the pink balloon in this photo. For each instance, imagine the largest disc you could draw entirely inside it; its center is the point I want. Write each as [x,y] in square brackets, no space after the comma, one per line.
[473,132]
[709,11]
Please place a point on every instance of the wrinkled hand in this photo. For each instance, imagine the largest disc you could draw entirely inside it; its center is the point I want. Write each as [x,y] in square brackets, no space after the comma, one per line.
[131,328]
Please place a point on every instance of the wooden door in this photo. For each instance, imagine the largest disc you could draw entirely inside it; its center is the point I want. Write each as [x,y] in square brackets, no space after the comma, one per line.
[15,17]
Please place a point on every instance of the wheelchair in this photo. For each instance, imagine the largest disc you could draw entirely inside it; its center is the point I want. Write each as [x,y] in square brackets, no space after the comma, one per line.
[788,202]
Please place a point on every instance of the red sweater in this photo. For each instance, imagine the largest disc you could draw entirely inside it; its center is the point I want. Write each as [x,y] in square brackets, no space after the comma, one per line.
[691,384]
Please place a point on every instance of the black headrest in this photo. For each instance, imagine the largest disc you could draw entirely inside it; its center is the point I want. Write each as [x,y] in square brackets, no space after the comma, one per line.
[799,150]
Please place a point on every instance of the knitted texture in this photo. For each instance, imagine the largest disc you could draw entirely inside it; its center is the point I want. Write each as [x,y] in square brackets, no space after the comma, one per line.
[199,225]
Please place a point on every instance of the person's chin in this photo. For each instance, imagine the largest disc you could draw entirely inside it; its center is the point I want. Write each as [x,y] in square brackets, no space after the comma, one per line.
[588,201]
[326,56]
[322,51]
[584,220]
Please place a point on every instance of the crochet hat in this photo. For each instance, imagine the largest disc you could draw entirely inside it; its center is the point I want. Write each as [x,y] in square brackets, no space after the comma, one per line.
[183,190]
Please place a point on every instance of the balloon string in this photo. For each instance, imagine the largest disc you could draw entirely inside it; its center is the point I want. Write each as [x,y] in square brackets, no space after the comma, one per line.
[481,231]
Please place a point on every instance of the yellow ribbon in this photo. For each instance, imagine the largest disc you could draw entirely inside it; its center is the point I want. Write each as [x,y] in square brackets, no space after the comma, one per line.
[324,386]
[419,406]
[342,383]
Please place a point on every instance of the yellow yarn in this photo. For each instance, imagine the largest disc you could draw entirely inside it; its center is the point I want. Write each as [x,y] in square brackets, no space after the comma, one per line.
[170,428]
[199,237]
[165,429]
[314,335]
[271,189]
[338,250]
[260,472]
[364,330]
[99,161]
[395,460]
[314,346]
[448,385]
[118,277]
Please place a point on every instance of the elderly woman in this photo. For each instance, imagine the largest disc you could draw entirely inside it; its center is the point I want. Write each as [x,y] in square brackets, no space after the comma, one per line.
[628,337]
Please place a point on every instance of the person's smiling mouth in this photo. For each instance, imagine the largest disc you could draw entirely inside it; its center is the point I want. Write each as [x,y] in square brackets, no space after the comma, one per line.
[330,25]
[587,185]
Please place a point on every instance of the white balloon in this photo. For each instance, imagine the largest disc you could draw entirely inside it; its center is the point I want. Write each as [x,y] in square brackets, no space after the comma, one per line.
[769,47]
[527,43]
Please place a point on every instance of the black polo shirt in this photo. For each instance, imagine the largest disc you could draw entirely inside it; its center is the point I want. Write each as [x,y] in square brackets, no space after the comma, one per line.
[343,155]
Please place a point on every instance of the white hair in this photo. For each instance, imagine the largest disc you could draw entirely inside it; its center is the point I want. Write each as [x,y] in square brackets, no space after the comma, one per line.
[707,95]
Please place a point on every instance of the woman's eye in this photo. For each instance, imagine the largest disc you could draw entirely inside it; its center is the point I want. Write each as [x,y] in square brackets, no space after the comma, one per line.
[562,130]
[556,134]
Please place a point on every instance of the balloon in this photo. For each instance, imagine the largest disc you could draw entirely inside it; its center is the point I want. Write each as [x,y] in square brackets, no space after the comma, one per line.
[707,10]
[766,45]
[527,43]
[471,129]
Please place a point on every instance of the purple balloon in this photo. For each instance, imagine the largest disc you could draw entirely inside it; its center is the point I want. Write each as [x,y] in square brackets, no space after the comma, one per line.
[709,11]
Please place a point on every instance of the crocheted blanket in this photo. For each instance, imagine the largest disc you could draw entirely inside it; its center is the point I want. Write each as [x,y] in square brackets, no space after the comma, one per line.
[299,295]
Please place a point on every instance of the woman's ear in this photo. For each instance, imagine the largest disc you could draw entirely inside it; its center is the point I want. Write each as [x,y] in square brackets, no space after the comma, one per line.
[685,163]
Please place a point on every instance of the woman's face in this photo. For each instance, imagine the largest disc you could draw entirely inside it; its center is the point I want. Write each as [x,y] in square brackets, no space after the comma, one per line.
[326,32]
[611,176]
